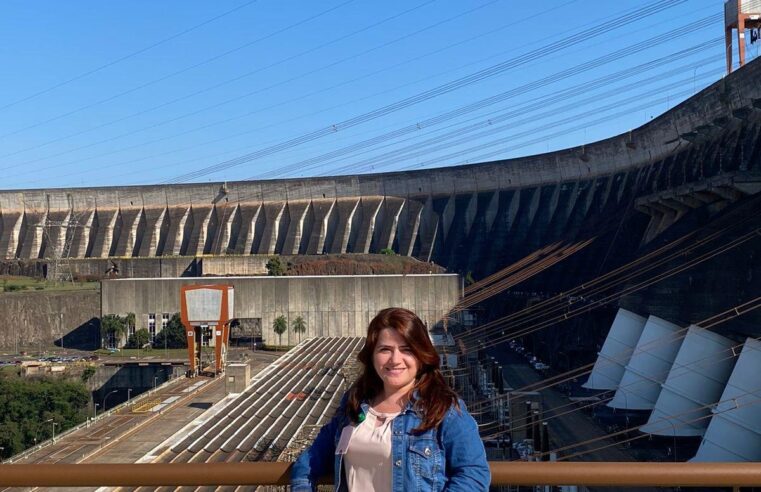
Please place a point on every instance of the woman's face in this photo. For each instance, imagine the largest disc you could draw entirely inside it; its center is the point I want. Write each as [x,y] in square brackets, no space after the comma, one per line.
[394,361]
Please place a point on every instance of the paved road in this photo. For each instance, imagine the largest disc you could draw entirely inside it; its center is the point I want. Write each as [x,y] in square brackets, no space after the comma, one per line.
[570,428]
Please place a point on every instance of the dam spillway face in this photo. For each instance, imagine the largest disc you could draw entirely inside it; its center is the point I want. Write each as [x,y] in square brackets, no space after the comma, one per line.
[704,152]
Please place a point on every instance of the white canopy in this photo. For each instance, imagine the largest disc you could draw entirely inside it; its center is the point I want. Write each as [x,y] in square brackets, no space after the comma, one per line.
[696,380]
[734,433]
[649,365]
[616,351]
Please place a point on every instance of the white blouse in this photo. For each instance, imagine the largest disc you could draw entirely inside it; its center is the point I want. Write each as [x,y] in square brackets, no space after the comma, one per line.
[368,458]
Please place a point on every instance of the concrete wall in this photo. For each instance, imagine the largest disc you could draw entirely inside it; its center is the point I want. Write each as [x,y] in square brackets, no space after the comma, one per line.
[238,265]
[134,267]
[38,320]
[330,306]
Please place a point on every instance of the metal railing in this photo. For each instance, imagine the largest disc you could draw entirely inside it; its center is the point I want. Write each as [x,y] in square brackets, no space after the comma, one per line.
[503,473]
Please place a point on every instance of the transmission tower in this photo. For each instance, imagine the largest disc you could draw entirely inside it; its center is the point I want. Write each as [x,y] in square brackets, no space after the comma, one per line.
[58,255]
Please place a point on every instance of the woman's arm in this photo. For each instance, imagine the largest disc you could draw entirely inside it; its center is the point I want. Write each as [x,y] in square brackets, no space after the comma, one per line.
[466,467]
[317,459]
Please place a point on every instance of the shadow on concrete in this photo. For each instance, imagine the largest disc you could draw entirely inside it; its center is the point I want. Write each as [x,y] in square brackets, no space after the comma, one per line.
[84,337]
[201,405]
[194,269]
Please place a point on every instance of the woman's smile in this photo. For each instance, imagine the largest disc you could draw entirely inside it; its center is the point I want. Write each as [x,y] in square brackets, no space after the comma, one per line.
[394,361]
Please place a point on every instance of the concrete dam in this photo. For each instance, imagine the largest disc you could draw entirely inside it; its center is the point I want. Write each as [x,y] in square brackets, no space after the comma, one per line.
[703,151]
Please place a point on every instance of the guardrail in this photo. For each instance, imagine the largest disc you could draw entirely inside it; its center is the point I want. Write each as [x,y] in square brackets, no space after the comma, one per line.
[503,473]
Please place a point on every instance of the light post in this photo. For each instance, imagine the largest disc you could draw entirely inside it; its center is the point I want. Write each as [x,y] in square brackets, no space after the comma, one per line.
[155,379]
[94,409]
[107,395]
[673,427]
[60,330]
[37,430]
[1,454]
[129,392]
[53,422]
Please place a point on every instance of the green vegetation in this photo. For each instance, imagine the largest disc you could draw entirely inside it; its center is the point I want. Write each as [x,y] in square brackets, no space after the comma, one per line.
[387,251]
[275,267]
[87,373]
[139,339]
[299,326]
[173,336]
[20,284]
[357,264]
[32,406]
[112,330]
[155,353]
[280,325]
[276,348]
[469,280]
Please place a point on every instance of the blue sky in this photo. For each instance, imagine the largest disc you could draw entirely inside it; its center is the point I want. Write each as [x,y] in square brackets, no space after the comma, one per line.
[144,92]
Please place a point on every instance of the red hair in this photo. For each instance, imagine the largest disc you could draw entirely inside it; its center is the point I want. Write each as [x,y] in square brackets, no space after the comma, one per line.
[434,397]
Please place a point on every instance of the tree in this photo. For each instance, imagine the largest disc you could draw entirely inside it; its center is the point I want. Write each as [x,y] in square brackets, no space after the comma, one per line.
[275,267]
[173,336]
[387,251]
[139,338]
[299,326]
[112,329]
[29,404]
[129,320]
[280,325]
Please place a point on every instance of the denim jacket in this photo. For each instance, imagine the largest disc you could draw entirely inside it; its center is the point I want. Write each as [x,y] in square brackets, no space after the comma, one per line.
[450,457]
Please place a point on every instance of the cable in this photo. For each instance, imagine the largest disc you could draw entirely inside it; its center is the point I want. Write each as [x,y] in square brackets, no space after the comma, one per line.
[228,101]
[726,315]
[125,57]
[593,288]
[628,290]
[429,94]
[153,141]
[178,72]
[539,103]
[207,89]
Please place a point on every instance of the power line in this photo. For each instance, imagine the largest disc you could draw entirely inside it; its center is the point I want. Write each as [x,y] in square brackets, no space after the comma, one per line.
[175,73]
[230,100]
[478,76]
[134,146]
[203,91]
[125,57]
[545,312]
[527,109]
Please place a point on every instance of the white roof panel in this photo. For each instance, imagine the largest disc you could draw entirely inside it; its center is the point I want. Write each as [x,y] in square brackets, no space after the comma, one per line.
[734,433]
[616,351]
[696,380]
[649,365]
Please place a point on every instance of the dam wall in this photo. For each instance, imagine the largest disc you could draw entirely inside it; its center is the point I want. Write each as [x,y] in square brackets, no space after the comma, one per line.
[463,217]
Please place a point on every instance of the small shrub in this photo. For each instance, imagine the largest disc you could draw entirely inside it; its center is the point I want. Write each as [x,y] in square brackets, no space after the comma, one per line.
[275,267]
[88,373]
[469,280]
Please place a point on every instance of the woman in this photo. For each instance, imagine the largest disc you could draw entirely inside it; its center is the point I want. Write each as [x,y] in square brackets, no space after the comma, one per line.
[400,427]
